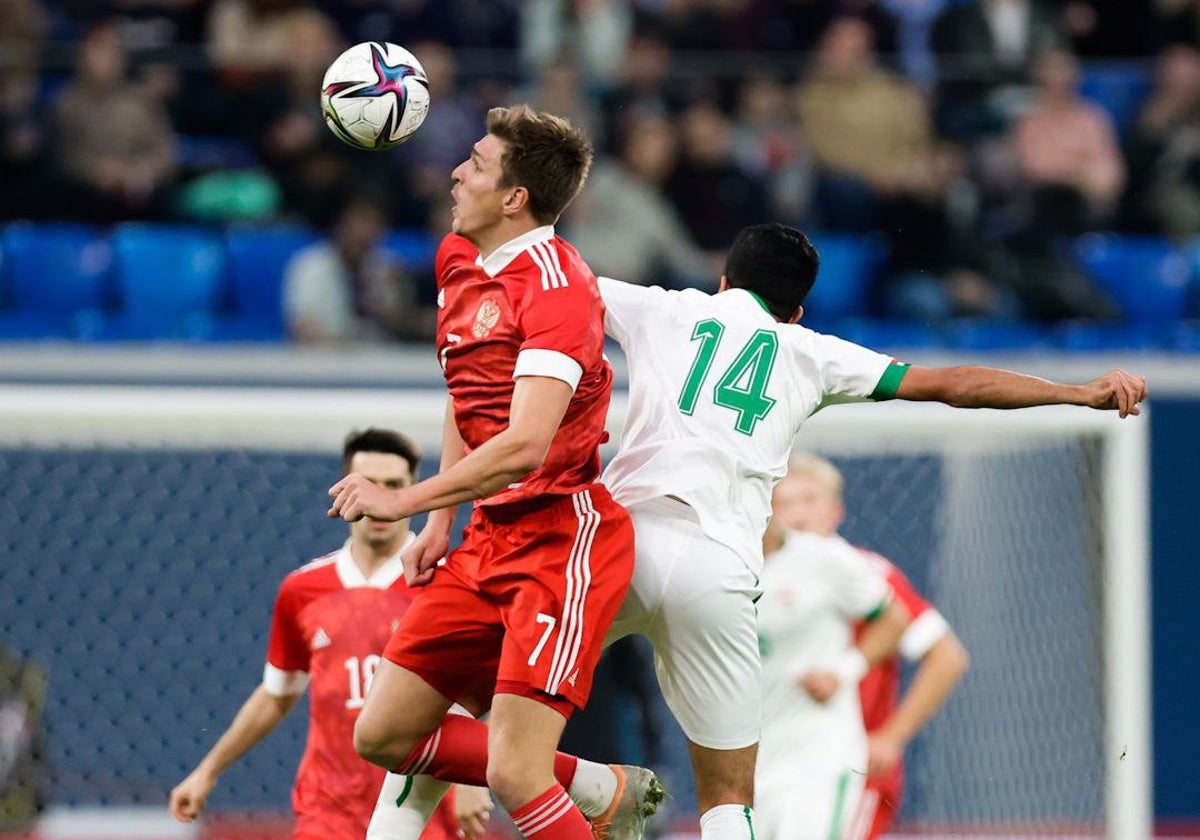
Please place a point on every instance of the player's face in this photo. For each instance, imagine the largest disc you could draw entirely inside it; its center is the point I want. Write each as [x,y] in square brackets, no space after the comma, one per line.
[802,503]
[386,470]
[478,200]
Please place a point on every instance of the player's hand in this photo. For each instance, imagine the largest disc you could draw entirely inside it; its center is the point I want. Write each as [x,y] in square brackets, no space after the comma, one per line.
[421,559]
[820,685]
[472,808]
[356,496]
[1117,390]
[189,796]
[883,753]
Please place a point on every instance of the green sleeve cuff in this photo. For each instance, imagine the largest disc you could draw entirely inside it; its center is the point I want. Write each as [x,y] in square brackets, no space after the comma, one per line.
[889,383]
[879,610]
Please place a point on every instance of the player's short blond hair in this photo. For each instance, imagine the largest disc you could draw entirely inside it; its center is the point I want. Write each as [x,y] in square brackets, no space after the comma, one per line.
[820,469]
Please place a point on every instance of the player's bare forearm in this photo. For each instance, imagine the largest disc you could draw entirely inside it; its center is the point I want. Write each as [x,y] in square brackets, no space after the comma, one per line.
[881,637]
[983,387]
[538,406]
[260,714]
[941,669]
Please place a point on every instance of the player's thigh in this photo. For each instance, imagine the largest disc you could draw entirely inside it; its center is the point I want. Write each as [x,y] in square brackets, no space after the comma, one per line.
[562,582]
[395,688]
[705,635]
[798,803]
[451,636]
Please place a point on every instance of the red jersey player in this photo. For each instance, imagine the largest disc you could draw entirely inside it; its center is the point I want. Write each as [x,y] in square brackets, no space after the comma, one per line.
[331,621]
[524,603]
[891,721]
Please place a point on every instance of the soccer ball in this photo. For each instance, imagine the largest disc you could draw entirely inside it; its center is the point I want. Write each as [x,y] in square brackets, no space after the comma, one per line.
[375,95]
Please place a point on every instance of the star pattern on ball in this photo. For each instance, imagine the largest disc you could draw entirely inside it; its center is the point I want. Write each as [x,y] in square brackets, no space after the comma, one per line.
[389,78]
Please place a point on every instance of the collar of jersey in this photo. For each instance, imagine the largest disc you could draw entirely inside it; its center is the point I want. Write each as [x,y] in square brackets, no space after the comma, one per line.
[383,577]
[499,259]
[759,302]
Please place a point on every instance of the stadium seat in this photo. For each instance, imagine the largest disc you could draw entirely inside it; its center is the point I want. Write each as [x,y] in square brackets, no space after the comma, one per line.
[257,258]
[1119,87]
[412,246]
[1147,276]
[886,335]
[56,277]
[848,268]
[1091,337]
[170,279]
[993,335]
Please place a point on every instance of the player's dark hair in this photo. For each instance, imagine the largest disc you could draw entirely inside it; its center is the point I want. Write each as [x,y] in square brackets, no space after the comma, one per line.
[775,262]
[546,155]
[382,440]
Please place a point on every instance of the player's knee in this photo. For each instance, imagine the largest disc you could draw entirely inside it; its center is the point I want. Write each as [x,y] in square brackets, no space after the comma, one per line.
[372,743]
[507,780]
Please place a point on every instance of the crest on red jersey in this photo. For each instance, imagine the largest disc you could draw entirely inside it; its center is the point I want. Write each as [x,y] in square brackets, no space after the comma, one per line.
[486,318]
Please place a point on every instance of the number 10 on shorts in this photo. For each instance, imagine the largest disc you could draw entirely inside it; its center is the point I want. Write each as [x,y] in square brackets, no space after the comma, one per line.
[549,621]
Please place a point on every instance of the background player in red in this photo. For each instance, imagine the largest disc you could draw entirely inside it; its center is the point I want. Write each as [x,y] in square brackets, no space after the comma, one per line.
[816,505]
[331,621]
[893,721]
[527,598]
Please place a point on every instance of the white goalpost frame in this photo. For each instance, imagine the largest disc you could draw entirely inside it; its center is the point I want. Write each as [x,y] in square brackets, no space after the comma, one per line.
[298,419]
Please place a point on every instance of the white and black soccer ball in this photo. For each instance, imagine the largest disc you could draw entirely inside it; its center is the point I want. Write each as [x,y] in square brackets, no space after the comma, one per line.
[375,95]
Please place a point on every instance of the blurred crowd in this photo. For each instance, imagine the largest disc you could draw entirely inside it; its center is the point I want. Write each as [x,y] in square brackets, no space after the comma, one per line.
[955,132]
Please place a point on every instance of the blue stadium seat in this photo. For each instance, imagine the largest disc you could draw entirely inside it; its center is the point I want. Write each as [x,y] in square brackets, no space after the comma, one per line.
[56,277]
[996,335]
[1147,276]
[257,258]
[1119,87]
[412,246]
[849,265]
[170,279]
[887,335]
[1092,337]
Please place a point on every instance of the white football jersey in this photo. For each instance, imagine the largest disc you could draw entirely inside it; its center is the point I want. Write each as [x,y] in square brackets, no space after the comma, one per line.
[813,588]
[718,390]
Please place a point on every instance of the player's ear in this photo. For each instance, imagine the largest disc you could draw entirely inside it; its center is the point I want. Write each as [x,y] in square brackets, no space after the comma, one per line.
[724,284]
[797,315]
[516,201]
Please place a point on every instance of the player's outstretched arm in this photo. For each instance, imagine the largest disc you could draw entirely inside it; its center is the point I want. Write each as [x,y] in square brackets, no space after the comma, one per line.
[261,713]
[941,669]
[983,387]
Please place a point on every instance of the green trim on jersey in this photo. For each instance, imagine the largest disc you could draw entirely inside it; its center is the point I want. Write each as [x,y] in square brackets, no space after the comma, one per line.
[749,820]
[835,825]
[878,611]
[889,383]
[760,302]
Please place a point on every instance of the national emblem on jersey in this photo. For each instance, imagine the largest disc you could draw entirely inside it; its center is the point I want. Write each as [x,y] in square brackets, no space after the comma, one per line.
[485,318]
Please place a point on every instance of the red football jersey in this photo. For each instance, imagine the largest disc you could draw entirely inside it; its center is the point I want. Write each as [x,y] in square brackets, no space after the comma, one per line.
[879,690]
[531,308]
[329,627]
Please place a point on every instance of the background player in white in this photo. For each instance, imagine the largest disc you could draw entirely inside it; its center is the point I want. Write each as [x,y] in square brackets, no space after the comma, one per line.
[810,498]
[331,620]
[719,388]
[812,762]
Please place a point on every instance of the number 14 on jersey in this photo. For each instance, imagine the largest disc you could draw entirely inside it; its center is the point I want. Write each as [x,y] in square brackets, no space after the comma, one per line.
[742,388]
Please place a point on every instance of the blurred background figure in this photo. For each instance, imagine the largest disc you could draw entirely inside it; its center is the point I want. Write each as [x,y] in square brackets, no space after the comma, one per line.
[252,35]
[349,289]
[622,224]
[595,33]
[114,148]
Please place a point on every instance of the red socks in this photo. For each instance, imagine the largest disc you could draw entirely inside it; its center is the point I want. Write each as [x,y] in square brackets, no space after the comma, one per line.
[552,816]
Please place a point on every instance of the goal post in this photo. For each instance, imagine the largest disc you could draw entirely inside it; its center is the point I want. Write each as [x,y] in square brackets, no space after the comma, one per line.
[132,529]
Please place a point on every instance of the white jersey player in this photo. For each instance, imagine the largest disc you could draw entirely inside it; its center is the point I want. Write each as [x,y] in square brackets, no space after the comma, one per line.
[812,765]
[720,385]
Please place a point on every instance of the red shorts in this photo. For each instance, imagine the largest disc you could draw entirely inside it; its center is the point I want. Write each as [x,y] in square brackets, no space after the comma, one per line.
[876,812]
[525,601]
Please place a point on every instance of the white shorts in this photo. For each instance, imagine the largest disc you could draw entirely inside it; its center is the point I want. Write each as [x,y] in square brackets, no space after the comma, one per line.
[797,803]
[693,598]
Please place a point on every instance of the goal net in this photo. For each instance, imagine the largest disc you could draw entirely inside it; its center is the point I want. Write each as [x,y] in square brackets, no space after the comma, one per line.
[143,532]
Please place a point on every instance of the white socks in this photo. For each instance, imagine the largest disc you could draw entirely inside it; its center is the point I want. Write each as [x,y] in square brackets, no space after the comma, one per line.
[593,787]
[405,804]
[727,822]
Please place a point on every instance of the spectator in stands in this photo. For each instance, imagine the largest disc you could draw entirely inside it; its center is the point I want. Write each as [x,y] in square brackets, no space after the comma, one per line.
[280,115]
[1177,21]
[715,196]
[1067,153]
[870,133]
[1164,150]
[23,24]
[622,224]
[559,90]
[644,84]
[594,32]
[114,147]
[349,289]
[251,35]
[768,143]
[986,50]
